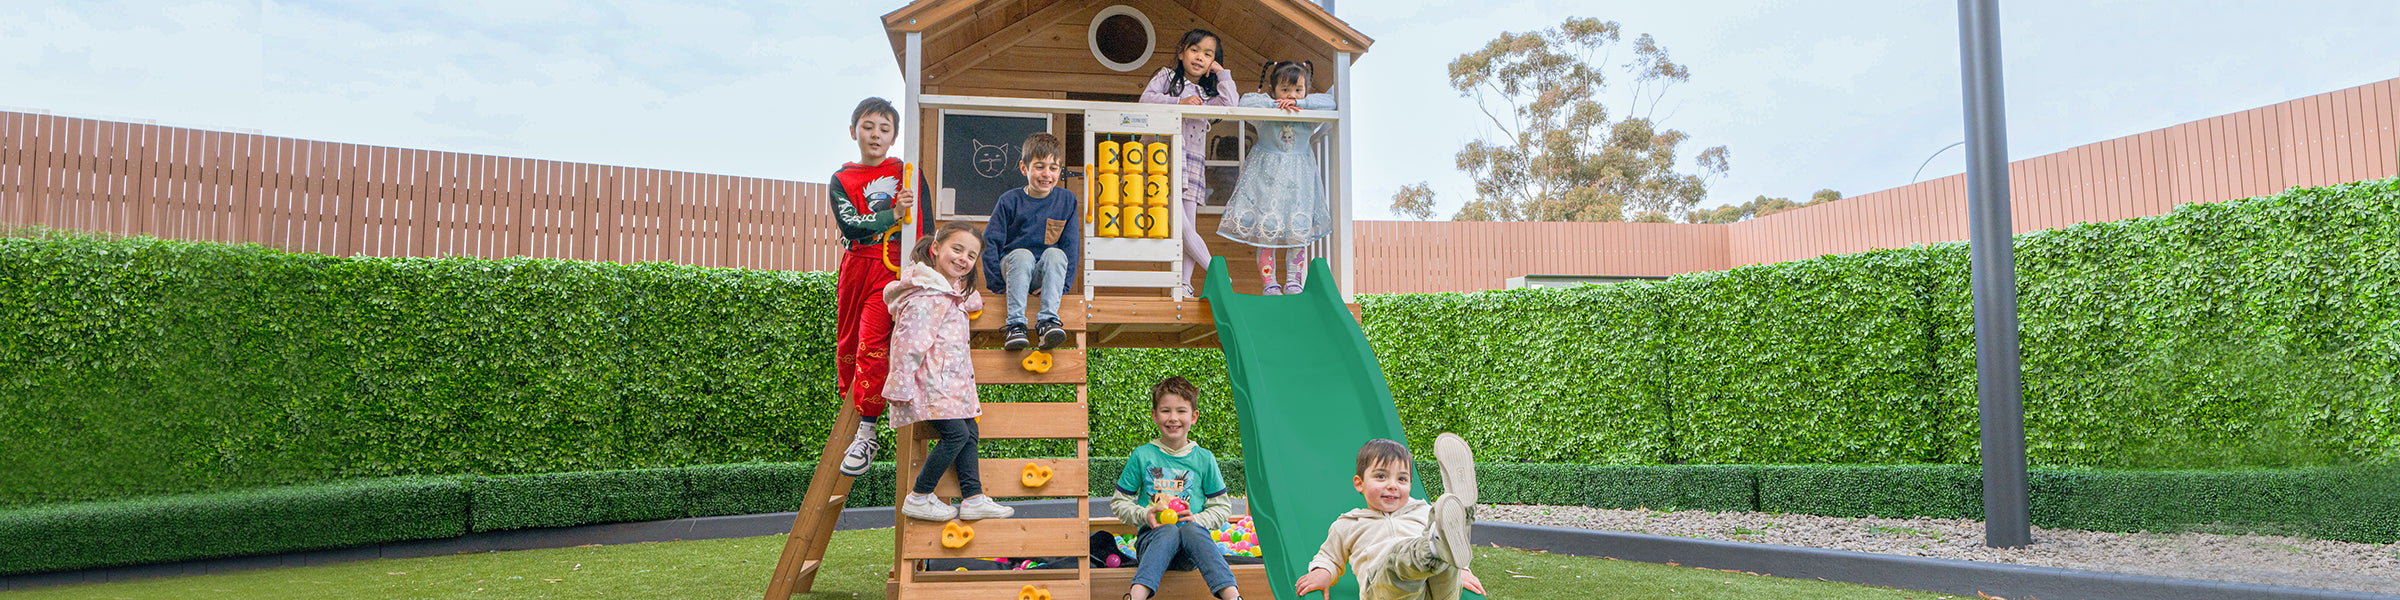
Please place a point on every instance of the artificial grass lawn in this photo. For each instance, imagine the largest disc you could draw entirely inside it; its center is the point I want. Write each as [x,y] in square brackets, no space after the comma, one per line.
[856,564]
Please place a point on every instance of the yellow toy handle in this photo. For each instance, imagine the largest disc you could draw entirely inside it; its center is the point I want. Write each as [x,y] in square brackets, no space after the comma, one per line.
[908,177]
[1087,193]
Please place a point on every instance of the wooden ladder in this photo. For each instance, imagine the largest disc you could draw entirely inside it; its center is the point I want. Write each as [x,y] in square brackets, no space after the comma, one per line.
[828,492]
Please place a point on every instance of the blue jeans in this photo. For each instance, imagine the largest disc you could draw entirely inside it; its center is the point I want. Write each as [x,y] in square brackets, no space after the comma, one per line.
[1017,270]
[1182,547]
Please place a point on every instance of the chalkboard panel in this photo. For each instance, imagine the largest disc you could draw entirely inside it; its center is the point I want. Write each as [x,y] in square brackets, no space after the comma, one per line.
[980,151]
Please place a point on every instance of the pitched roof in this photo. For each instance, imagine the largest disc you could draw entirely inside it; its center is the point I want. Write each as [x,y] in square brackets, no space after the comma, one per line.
[1038,46]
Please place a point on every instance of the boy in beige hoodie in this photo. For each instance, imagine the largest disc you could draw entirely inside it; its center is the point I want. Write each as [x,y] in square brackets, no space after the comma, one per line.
[1401,547]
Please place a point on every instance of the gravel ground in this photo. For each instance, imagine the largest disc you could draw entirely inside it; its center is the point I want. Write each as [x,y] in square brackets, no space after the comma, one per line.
[2245,558]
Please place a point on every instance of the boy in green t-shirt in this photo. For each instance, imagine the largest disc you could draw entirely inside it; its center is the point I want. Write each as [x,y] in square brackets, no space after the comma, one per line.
[1174,466]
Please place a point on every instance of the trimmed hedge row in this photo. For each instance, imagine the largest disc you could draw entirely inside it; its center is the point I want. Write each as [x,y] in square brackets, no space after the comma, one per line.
[2356,504]
[63,537]
[2351,504]
[250,522]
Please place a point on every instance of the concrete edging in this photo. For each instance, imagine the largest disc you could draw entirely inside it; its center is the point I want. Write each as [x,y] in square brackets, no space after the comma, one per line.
[1961,577]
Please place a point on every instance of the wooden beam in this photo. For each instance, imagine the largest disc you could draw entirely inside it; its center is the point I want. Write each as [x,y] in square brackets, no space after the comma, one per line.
[1028,421]
[923,14]
[1003,367]
[998,538]
[1002,590]
[995,312]
[1005,478]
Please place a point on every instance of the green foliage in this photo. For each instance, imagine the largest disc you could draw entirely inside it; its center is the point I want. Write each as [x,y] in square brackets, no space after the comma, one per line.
[142,366]
[2357,504]
[563,499]
[1812,361]
[1552,375]
[1673,487]
[2262,332]
[265,521]
[1945,491]
[2230,334]
[748,488]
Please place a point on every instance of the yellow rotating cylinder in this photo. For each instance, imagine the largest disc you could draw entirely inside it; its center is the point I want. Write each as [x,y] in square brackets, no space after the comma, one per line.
[1110,224]
[1160,194]
[1108,150]
[1129,194]
[1158,158]
[1133,158]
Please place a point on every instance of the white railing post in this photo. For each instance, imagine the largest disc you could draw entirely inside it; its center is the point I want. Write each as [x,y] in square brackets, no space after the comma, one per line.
[1344,211]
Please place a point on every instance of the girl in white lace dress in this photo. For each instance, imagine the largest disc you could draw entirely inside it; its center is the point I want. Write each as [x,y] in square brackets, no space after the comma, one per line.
[1280,200]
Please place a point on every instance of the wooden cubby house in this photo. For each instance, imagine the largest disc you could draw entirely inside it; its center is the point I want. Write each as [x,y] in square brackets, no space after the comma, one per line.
[1075,68]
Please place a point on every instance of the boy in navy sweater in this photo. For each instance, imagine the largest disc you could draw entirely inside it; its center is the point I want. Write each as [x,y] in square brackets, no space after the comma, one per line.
[1036,240]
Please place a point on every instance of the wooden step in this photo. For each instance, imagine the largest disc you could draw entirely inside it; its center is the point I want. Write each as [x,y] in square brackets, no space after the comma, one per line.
[1182,585]
[996,590]
[1003,367]
[999,538]
[1025,421]
[995,312]
[1025,576]
[1005,478]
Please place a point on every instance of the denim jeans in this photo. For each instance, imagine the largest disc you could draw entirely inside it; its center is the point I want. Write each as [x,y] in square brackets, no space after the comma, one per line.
[1182,547]
[1017,269]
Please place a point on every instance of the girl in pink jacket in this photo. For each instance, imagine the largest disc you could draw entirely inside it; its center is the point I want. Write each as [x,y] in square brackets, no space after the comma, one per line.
[932,377]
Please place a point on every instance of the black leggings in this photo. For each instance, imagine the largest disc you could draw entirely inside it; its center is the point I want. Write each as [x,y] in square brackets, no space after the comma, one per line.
[957,448]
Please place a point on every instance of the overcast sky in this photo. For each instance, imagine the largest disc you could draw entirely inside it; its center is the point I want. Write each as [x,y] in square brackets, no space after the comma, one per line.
[1845,95]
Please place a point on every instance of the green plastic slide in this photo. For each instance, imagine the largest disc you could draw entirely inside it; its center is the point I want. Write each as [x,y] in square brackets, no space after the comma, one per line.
[1308,392]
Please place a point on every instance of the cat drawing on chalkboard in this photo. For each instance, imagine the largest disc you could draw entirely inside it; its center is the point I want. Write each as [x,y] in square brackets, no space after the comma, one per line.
[990,160]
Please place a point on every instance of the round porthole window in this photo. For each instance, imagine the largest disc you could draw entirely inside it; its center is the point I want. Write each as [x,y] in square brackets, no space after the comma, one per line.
[1121,38]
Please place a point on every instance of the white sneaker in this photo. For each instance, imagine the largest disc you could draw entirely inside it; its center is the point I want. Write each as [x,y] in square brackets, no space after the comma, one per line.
[983,507]
[862,451]
[1453,529]
[1457,466]
[928,508]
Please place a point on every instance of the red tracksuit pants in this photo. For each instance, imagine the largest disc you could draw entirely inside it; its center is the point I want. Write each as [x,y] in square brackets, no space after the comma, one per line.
[862,326]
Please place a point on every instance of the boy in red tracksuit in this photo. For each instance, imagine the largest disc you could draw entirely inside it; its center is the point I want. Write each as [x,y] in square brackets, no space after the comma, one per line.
[869,202]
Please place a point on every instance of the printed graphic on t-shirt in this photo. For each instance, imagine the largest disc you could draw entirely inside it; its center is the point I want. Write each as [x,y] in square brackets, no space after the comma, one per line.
[1169,480]
[880,192]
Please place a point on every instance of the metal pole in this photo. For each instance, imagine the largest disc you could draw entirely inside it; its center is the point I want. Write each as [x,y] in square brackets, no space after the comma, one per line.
[2007,521]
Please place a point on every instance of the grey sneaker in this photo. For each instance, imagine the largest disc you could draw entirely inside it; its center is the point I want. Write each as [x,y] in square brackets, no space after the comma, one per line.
[927,508]
[1453,530]
[1457,465]
[862,451]
[983,507]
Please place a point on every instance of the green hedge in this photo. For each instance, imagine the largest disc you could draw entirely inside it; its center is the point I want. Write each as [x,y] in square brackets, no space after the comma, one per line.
[2261,332]
[145,366]
[1945,491]
[252,522]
